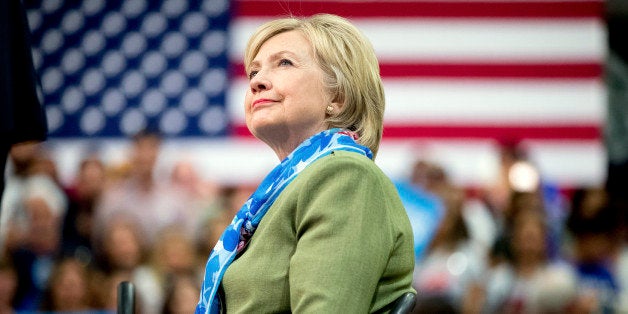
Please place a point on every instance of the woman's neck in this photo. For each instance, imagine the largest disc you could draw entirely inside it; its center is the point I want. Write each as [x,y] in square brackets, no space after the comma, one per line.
[284,144]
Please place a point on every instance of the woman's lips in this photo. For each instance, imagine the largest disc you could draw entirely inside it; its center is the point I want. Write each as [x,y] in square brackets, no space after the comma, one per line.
[261,101]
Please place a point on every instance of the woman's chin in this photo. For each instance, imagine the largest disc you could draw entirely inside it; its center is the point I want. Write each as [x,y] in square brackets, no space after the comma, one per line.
[262,128]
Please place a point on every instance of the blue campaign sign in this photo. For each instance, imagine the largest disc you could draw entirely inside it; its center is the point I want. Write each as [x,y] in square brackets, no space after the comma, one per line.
[425,212]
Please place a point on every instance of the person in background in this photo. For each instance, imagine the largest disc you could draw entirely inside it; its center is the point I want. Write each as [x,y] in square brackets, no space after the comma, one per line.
[22,116]
[595,228]
[476,216]
[316,98]
[39,245]
[25,171]
[83,195]
[496,194]
[174,254]
[182,291]
[219,215]
[122,254]
[142,196]
[198,192]
[105,293]
[8,286]
[67,289]
[453,262]
[517,176]
[198,195]
[527,280]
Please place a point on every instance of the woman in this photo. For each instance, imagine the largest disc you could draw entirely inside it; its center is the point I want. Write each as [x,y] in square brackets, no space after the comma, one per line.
[67,288]
[528,280]
[334,235]
[453,262]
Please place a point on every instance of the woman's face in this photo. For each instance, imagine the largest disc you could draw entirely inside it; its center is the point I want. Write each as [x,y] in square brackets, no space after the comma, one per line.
[122,246]
[68,288]
[529,235]
[286,100]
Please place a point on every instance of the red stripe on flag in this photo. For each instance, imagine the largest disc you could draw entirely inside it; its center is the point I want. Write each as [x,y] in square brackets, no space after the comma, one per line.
[565,70]
[479,70]
[424,9]
[563,132]
[501,133]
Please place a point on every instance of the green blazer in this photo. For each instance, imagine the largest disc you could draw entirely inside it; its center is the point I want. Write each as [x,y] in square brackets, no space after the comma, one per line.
[337,240]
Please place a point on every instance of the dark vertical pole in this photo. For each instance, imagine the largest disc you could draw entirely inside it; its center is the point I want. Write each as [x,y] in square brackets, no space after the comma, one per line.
[126,298]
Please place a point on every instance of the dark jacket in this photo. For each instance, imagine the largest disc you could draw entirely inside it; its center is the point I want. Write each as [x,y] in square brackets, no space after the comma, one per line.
[22,117]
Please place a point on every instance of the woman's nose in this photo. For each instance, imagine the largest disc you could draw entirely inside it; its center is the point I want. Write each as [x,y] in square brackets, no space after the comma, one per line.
[259,83]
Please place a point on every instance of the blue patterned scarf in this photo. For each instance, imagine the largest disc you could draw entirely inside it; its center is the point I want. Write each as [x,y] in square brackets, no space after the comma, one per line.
[238,233]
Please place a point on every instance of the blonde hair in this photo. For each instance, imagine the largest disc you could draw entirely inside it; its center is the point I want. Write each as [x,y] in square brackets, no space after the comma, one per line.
[350,67]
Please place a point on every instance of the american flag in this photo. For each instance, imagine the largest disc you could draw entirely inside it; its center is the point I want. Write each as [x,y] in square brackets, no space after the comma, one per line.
[111,68]
[460,76]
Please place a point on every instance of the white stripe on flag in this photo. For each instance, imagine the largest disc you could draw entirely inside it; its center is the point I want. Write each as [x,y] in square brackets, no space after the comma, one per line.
[502,40]
[491,102]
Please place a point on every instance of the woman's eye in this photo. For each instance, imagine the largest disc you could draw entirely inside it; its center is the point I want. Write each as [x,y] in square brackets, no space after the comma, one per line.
[252,74]
[285,62]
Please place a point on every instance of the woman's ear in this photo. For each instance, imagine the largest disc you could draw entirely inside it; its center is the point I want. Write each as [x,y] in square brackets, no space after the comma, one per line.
[337,106]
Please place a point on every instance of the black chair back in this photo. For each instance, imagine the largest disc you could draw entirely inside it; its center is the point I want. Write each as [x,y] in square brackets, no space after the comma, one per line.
[404,304]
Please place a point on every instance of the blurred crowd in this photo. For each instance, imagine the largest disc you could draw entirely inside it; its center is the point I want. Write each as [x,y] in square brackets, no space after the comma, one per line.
[522,245]
[519,245]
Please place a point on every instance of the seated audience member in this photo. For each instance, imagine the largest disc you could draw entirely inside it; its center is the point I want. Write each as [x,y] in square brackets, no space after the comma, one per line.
[594,227]
[478,220]
[83,195]
[198,192]
[453,262]
[175,252]
[219,215]
[8,285]
[152,202]
[34,256]
[182,291]
[528,281]
[67,289]
[25,171]
[122,254]
[497,193]
[105,292]
[517,176]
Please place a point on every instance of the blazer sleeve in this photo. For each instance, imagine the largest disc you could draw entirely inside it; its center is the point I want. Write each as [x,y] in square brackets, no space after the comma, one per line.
[345,237]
